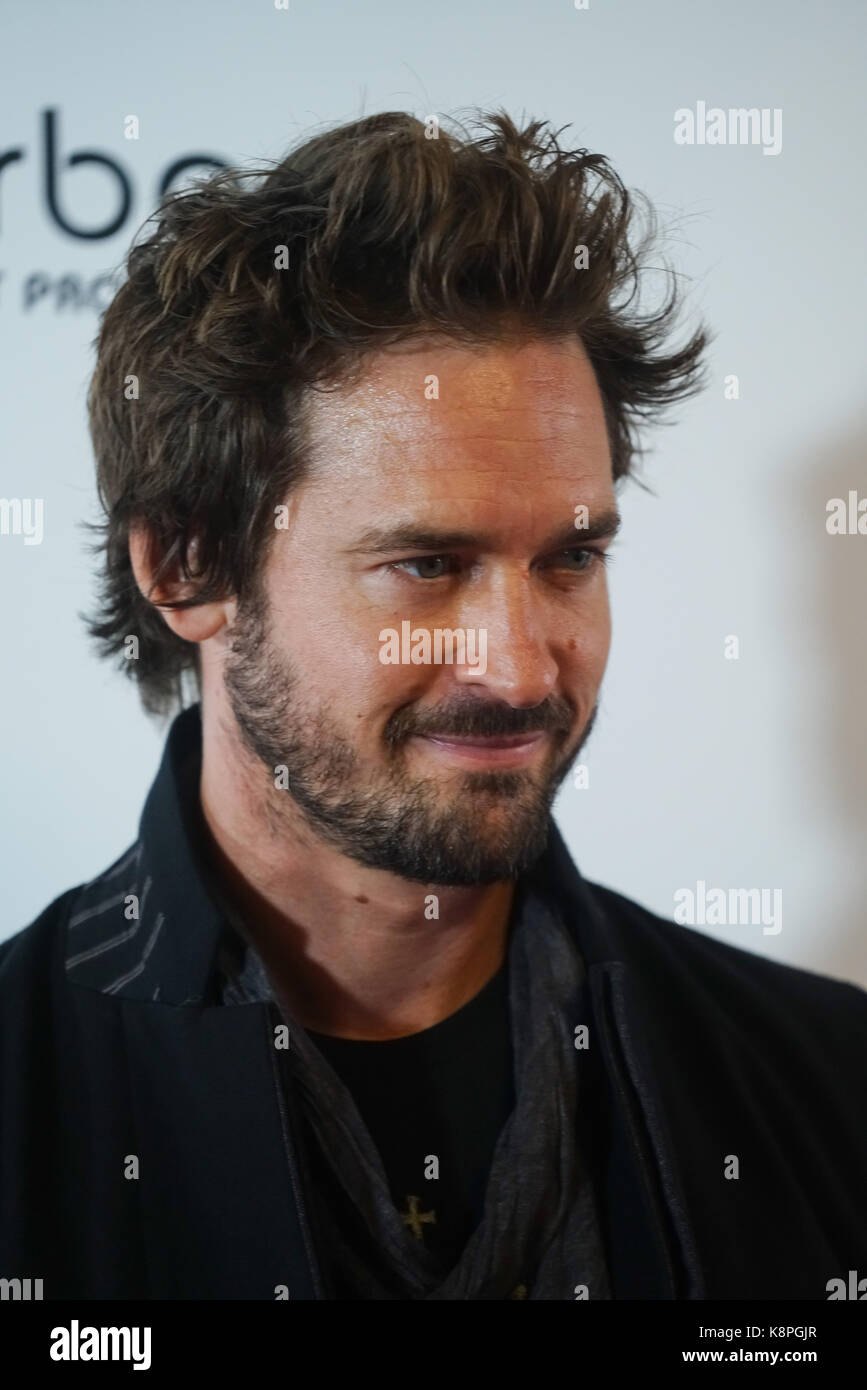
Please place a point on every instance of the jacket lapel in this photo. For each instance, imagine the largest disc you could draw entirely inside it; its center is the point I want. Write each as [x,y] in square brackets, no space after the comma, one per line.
[221,1209]
[651,1241]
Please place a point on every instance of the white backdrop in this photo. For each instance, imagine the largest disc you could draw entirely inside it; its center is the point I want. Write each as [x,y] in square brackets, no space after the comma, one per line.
[745,773]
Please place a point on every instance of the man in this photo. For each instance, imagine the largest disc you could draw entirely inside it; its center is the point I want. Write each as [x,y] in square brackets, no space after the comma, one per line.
[346,1021]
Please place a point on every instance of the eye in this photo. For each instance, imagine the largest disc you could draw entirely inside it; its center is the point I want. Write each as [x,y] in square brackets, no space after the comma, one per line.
[585,559]
[575,560]
[431,566]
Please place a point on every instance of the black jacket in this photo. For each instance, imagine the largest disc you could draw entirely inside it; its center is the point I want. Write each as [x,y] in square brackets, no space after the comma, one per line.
[114,1046]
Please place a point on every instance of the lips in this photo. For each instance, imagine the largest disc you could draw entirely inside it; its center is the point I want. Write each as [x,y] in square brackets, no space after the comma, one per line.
[486,741]
[478,751]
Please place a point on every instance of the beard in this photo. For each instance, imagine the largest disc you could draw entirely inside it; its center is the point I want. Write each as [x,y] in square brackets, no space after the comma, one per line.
[462,828]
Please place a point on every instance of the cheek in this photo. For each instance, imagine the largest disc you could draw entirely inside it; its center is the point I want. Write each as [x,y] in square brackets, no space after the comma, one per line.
[320,631]
[588,643]
[336,653]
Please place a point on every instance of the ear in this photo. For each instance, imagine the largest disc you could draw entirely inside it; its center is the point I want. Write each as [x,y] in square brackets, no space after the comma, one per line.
[192,624]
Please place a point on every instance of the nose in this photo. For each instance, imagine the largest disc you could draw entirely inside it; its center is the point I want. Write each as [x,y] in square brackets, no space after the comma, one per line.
[510,630]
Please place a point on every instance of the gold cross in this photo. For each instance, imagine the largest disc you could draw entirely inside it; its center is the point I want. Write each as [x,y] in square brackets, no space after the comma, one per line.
[414,1218]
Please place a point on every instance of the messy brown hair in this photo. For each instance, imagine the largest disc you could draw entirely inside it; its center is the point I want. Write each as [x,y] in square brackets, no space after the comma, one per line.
[389,227]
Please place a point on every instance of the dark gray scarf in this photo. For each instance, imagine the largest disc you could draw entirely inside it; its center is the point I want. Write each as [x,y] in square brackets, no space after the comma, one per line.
[538,1237]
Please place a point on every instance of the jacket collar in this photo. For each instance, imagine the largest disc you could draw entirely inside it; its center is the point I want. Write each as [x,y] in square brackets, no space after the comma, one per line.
[172,835]
[149,927]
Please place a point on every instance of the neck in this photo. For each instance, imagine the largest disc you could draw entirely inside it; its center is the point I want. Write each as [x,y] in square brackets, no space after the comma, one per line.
[352,951]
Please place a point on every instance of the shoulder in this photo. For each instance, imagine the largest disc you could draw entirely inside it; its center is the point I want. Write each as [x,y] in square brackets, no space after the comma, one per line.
[33,945]
[38,950]
[679,960]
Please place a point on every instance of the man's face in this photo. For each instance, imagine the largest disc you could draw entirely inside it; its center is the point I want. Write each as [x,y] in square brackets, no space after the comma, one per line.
[446,506]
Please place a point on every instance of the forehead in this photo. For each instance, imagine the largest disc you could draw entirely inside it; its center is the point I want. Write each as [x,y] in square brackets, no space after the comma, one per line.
[436,419]
[482,402]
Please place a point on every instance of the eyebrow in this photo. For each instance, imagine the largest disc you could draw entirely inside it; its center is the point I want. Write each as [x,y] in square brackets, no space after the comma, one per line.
[409,536]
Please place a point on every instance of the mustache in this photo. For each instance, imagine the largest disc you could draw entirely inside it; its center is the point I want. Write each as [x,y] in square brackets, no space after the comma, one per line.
[489,720]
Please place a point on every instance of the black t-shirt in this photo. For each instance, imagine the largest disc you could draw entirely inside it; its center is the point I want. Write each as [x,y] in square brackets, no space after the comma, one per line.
[445,1094]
